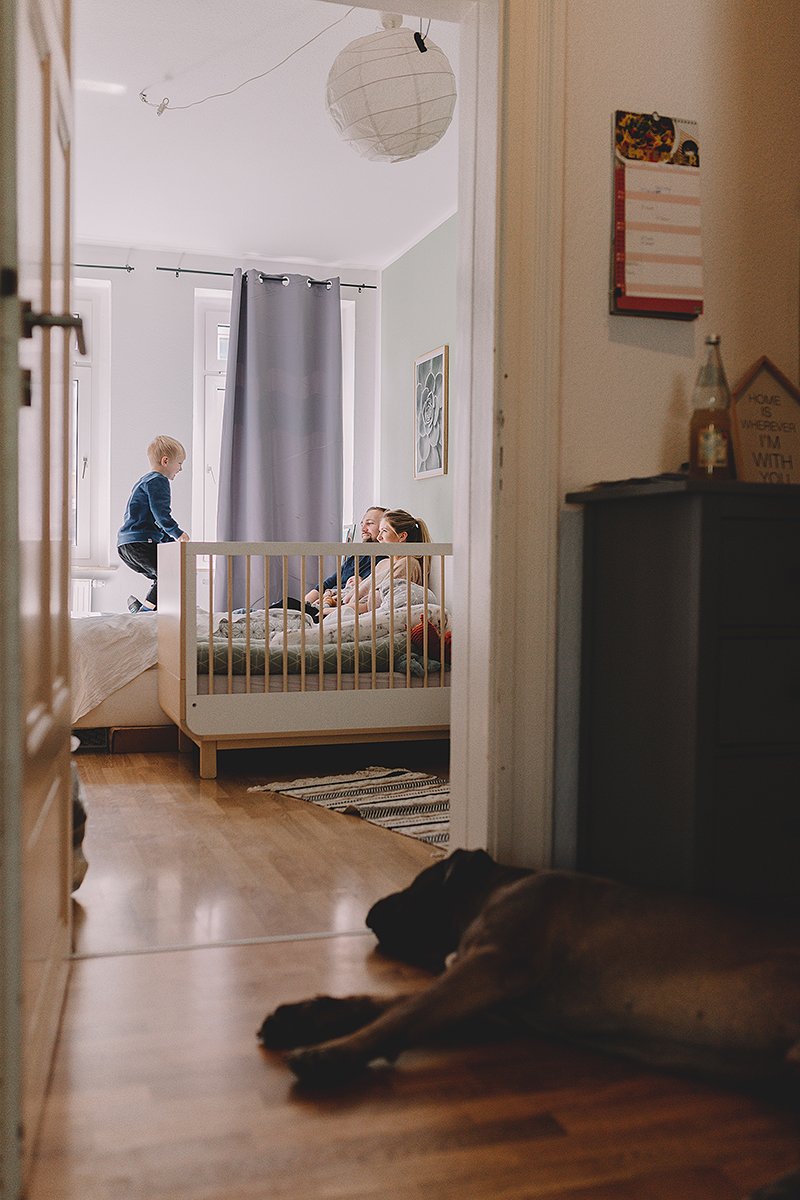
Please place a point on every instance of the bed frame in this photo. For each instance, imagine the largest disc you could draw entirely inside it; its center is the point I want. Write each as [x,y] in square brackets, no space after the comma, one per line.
[223,710]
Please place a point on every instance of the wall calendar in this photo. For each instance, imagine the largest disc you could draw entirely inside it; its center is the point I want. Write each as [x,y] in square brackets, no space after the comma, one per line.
[656,257]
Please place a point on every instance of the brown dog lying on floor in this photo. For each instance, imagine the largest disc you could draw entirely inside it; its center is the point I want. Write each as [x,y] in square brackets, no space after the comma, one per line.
[672,981]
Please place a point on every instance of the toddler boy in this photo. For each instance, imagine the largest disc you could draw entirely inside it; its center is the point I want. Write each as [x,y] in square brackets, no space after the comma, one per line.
[148,519]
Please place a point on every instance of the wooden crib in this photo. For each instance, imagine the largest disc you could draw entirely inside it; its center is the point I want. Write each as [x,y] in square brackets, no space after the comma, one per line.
[252,673]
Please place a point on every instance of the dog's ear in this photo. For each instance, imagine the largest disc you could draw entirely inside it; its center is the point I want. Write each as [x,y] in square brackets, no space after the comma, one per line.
[466,867]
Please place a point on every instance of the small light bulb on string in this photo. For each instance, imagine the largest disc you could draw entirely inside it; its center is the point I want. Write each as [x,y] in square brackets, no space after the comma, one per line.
[165,103]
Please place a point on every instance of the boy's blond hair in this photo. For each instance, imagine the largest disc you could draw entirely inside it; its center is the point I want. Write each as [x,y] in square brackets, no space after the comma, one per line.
[162,445]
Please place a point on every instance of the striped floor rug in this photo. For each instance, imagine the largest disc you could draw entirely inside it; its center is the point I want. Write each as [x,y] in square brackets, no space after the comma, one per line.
[409,802]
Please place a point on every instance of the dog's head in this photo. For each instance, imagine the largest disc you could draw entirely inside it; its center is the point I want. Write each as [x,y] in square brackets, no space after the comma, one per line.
[424,923]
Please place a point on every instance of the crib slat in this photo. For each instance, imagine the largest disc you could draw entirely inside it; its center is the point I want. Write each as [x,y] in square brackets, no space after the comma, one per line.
[391,621]
[285,573]
[408,627]
[247,623]
[303,590]
[211,624]
[374,623]
[229,582]
[321,642]
[338,622]
[442,611]
[356,601]
[266,620]
[425,573]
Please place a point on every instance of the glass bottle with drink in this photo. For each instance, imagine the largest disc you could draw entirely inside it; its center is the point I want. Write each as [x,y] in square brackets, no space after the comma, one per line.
[710,446]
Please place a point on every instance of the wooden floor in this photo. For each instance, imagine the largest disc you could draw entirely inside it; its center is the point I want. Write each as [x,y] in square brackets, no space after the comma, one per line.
[204,907]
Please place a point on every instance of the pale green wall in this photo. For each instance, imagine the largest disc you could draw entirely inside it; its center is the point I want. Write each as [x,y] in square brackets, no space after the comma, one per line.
[418,314]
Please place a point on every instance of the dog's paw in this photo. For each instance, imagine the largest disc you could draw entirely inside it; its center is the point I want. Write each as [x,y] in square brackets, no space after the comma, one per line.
[288,1026]
[325,1065]
[318,1020]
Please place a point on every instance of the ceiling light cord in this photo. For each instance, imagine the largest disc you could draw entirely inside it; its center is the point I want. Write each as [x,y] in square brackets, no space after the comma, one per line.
[164,104]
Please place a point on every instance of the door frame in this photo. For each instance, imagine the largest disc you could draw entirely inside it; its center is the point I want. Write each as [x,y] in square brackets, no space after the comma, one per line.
[512,102]
[506,498]
[11,736]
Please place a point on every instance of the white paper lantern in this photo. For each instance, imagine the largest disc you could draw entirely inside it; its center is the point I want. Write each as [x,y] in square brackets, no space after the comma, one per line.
[386,98]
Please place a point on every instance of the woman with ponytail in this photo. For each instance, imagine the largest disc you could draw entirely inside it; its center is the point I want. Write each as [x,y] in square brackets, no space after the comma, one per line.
[396,525]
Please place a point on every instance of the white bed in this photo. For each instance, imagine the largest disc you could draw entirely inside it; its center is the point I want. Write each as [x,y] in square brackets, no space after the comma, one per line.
[133,706]
[114,675]
[230,683]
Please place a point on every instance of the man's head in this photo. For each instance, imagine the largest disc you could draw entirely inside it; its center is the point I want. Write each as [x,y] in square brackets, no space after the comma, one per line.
[370,523]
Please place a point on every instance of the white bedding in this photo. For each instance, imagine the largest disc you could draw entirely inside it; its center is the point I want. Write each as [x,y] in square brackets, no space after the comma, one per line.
[109,651]
[273,619]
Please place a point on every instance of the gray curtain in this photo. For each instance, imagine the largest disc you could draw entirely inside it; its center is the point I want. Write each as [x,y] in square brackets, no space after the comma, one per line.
[280,477]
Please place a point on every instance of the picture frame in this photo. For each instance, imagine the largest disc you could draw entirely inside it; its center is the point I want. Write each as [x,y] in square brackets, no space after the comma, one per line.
[765,424]
[431,388]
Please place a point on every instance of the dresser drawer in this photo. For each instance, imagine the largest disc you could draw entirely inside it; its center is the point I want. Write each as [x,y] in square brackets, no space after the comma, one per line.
[754,828]
[759,692]
[760,572]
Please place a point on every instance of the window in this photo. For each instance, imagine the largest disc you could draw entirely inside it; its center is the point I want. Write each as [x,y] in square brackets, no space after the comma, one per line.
[89,449]
[80,453]
[212,337]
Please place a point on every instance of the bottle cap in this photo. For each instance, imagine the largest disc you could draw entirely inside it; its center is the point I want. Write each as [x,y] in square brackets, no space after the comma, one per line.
[712,339]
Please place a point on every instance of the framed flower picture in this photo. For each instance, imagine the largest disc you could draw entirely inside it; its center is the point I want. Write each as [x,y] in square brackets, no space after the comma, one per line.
[430,414]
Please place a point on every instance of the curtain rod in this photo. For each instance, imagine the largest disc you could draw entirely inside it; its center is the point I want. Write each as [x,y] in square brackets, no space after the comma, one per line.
[103,267]
[178,271]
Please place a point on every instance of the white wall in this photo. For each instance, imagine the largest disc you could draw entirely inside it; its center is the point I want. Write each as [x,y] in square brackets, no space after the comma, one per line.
[152,357]
[624,402]
[418,314]
[734,66]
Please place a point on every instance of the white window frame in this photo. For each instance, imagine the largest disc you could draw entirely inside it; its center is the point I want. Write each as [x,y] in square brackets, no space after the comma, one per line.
[212,307]
[81,464]
[91,440]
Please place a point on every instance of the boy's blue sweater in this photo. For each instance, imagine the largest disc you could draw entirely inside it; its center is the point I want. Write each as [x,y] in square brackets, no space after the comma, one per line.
[148,517]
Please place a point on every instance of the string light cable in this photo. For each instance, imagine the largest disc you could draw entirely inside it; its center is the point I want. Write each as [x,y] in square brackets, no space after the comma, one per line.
[162,105]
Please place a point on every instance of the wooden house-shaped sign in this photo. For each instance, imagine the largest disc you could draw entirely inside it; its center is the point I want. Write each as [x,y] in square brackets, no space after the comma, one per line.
[765,412]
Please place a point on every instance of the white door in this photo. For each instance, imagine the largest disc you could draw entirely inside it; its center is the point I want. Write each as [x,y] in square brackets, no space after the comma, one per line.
[34,682]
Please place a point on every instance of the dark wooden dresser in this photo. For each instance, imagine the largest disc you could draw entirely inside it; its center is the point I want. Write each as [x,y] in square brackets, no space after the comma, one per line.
[689,772]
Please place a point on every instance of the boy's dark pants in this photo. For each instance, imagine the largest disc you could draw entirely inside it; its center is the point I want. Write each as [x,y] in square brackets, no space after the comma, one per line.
[142,557]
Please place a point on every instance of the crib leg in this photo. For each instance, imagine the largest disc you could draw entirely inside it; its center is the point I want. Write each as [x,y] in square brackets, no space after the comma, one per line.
[208,760]
[185,744]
